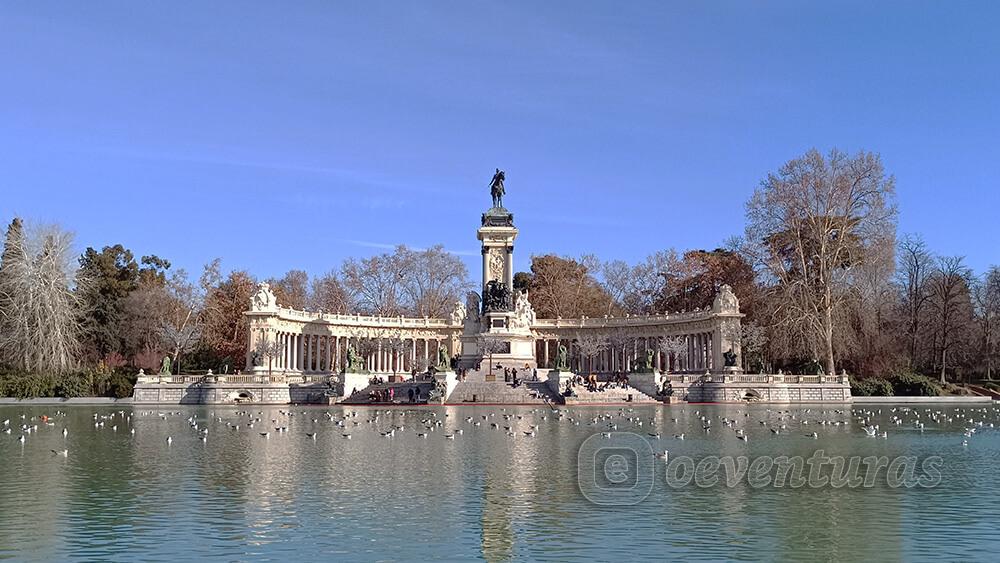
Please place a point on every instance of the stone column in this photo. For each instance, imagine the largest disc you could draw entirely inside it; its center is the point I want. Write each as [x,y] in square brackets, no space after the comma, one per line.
[486,269]
[427,350]
[509,272]
[329,353]
[545,343]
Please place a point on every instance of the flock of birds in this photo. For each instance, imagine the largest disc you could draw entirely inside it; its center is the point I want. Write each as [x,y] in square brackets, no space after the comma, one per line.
[424,423]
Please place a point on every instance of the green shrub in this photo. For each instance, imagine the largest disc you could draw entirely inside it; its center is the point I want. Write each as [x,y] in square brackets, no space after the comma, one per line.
[871,387]
[914,385]
[26,386]
[73,385]
[120,386]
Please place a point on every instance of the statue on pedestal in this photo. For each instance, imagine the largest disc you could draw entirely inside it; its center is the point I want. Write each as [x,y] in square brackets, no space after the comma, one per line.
[562,358]
[524,314]
[165,366]
[496,188]
[354,362]
[443,361]
[496,297]
[730,358]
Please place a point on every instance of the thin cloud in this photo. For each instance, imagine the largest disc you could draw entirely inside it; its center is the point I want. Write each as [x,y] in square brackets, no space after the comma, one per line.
[387,246]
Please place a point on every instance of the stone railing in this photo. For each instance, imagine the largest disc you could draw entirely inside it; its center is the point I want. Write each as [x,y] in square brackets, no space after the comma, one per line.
[364,320]
[638,320]
[756,378]
[243,379]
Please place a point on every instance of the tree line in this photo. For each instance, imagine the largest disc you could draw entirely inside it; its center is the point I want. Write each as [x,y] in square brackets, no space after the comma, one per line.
[107,309]
[823,280]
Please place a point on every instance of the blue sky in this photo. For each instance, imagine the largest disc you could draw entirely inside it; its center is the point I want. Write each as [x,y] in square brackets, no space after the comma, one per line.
[291,135]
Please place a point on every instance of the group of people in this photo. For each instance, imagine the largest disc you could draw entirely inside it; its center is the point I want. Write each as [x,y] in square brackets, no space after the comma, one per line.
[510,374]
[618,380]
[388,395]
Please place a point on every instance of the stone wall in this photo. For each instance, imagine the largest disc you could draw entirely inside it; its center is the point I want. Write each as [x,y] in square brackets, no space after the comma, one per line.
[228,393]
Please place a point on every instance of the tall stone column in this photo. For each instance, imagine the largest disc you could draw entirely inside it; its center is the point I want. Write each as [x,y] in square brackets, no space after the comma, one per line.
[486,269]
[509,273]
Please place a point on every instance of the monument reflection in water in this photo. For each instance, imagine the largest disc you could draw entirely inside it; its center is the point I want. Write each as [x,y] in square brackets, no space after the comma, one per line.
[482,494]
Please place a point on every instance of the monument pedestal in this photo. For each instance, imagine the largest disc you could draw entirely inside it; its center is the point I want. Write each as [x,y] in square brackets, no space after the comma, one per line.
[558,379]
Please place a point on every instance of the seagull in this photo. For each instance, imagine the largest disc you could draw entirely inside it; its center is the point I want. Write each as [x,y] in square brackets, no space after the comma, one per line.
[313,435]
[656,435]
[265,434]
[679,436]
[64,453]
[742,437]
[65,432]
[449,436]
[346,436]
[170,440]
[664,455]
[813,435]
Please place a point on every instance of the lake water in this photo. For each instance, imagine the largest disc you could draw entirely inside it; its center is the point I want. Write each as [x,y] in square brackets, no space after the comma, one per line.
[118,495]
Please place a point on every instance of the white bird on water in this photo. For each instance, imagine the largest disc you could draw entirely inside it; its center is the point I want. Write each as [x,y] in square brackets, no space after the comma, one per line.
[64,453]
[170,440]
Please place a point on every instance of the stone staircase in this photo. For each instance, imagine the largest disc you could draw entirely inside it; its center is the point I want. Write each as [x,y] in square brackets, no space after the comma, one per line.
[529,393]
[613,396]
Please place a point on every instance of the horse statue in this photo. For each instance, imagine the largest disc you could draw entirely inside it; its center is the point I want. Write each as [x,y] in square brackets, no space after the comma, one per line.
[496,188]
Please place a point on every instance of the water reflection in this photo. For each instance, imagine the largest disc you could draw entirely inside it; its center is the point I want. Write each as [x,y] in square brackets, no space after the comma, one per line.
[484,494]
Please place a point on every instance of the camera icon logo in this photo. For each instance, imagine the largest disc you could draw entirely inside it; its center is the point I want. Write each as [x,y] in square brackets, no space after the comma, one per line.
[615,469]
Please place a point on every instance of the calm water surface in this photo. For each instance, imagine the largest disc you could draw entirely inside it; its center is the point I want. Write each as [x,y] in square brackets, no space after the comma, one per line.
[119,495]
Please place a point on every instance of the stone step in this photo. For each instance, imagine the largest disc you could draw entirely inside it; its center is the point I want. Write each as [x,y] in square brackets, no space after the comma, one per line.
[616,395]
[499,392]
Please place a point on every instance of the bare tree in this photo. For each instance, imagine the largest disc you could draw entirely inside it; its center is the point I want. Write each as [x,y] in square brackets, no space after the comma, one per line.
[675,347]
[949,305]
[292,290]
[432,280]
[636,289]
[588,346]
[810,224]
[914,267]
[489,345]
[329,295]
[180,329]
[986,300]
[375,284]
[270,349]
[620,340]
[753,342]
[40,325]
